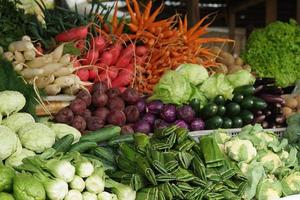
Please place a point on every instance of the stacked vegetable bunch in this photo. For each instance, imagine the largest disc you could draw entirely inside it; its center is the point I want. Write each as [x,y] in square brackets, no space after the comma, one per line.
[270,164]
[90,112]
[54,176]
[276,112]
[172,165]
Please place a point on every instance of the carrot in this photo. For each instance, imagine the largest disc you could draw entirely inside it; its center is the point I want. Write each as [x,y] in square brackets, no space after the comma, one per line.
[72,34]
[124,78]
[98,43]
[83,74]
[115,51]
[91,57]
[106,58]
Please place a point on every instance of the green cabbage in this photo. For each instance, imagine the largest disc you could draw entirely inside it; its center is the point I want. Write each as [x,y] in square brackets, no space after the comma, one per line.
[196,74]
[291,184]
[216,85]
[62,130]
[17,120]
[241,78]
[11,102]
[36,137]
[172,88]
[16,159]
[268,189]
[9,142]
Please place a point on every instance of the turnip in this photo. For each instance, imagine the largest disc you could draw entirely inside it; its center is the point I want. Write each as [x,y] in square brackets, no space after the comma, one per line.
[78,106]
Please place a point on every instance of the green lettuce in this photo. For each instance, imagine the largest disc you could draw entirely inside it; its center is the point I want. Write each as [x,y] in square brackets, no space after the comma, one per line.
[196,74]
[241,78]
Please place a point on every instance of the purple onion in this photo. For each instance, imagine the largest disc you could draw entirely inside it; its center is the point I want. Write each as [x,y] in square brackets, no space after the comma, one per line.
[154,107]
[159,124]
[186,113]
[142,127]
[141,104]
[197,124]
[168,113]
[150,118]
[181,124]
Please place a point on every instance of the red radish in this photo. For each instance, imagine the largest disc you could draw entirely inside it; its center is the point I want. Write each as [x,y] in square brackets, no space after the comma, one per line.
[39,51]
[76,63]
[140,60]
[93,74]
[123,61]
[141,50]
[80,45]
[91,57]
[122,89]
[115,51]
[129,51]
[72,34]
[98,43]
[107,58]
[111,74]
[83,74]
[124,78]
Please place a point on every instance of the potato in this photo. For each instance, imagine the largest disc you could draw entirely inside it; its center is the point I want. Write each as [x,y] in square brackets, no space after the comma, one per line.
[234,68]
[239,61]
[291,102]
[287,111]
[228,59]
[221,69]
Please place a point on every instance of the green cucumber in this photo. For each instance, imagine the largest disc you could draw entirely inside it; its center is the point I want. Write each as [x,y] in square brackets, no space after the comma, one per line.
[120,139]
[221,110]
[104,153]
[232,109]
[248,103]
[227,122]
[259,104]
[246,90]
[209,110]
[83,146]
[237,122]
[238,98]
[246,116]
[214,123]
[64,143]
[196,104]
[219,100]
[102,135]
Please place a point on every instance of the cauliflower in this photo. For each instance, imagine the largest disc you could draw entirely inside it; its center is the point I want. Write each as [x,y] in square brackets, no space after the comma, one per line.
[240,150]
[268,189]
[270,161]
[291,184]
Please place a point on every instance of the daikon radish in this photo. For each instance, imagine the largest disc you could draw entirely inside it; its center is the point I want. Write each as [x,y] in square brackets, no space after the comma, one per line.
[20,46]
[26,38]
[53,89]
[64,71]
[65,59]
[19,57]
[29,55]
[57,53]
[51,68]
[72,90]
[43,81]
[18,67]
[40,61]
[8,55]
[65,81]
[30,73]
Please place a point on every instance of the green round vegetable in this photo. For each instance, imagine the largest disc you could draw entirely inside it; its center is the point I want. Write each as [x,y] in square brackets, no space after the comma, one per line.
[7,175]
[16,159]
[209,110]
[232,109]
[27,187]
[227,122]
[17,120]
[247,116]
[237,122]
[219,100]
[247,103]
[9,142]
[6,196]
[238,98]
[11,102]
[221,110]
[214,123]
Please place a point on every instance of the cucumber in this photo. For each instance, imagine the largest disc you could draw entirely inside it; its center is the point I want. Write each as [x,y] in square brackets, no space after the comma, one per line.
[104,153]
[64,143]
[227,122]
[214,123]
[259,104]
[246,90]
[246,116]
[219,100]
[237,122]
[196,104]
[232,109]
[221,110]
[238,98]
[209,110]
[120,139]
[248,103]
[103,134]
[83,146]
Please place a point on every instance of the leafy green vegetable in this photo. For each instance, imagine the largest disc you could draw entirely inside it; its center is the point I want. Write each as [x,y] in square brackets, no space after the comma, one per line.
[172,88]
[196,74]
[273,52]
[69,48]
[241,78]
[73,194]
[7,175]
[16,159]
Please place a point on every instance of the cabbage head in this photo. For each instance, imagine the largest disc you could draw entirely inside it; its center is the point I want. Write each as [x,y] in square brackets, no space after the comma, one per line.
[27,187]
[16,159]
[172,88]
[62,130]
[268,189]
[11,102]
[9,142]
[36,137]
[241,78]
[7,175]
[194,73]
[270,161]
[17,120]
[240,150]
[291,184]
[216,85]
[6,196]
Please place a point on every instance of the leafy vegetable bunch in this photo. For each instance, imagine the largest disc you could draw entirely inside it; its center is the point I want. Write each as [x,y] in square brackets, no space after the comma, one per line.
[274,52]
[271,165]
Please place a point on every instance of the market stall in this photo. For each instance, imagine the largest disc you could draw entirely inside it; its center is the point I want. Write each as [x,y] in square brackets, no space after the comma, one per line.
[95,106]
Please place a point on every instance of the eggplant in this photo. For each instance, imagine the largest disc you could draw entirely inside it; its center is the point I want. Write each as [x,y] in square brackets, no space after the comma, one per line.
[264,81]
[258,89]
[272,98]
[267,112]
[265,124]
[274,90]
[280,119]
[278,105]
[260,112]
[259,119]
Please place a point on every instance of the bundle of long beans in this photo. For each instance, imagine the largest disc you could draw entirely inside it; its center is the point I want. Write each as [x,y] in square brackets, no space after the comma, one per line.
[172,165]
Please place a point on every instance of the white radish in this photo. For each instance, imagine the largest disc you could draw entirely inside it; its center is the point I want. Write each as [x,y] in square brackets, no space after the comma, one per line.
[43,81]
[9,55]
[65,81]
[64,71]
[30,73]
[20,46]
[29,55]
[40,61]
[19,57]
[53,89]
[72,90]
[65,59]
[26,38]
[51,68]
[18,67]
[57,53]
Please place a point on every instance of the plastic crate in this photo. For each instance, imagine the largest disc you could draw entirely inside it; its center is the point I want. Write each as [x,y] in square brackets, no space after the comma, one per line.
[235,131]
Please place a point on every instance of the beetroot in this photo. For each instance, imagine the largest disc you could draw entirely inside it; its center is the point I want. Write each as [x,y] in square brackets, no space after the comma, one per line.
[116,117]
[79,123]
[113,92]
[127,129]
[101,113]
[100,87]
[99,99]
[116,103]
[132,113]
[78,106]
[131,96]
[86,114]
[94,123]
[65,115]
[85,96]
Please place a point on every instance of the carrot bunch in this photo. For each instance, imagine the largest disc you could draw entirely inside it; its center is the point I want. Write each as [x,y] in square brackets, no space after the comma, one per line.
[170,43]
